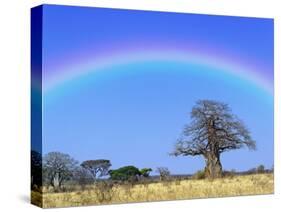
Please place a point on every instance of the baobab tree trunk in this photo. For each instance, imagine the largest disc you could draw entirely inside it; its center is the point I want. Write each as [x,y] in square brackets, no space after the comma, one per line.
[213,167]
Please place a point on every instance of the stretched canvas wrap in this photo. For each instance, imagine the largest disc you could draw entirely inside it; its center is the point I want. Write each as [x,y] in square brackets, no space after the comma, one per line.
[138,106]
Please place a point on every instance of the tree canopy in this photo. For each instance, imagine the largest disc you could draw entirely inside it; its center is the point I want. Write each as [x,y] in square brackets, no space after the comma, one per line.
[58,167]
[125,173]
[98,168]
[212,131]
[145,172]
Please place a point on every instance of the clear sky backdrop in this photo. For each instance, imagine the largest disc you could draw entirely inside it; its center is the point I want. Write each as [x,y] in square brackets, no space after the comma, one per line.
[120,84]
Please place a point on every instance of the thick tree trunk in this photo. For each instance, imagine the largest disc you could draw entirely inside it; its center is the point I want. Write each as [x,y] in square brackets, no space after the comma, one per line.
[213,167]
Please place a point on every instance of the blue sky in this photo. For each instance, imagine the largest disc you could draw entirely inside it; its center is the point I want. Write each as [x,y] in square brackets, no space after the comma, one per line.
[132,113]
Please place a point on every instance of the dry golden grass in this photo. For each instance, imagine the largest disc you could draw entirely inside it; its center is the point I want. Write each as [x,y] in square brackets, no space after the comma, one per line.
[173,190]
[36,198]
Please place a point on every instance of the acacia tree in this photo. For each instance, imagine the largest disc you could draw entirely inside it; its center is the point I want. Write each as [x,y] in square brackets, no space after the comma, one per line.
[97,168]
[212,131]
[57,168]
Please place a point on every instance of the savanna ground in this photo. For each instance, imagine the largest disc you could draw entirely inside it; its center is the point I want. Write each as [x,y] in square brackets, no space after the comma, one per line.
[106,193]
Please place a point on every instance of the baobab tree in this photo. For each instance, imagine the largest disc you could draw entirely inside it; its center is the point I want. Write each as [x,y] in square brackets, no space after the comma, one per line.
[58,168]
[212,131]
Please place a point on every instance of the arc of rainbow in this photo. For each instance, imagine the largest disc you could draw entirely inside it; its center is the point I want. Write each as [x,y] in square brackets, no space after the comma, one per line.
[99,63]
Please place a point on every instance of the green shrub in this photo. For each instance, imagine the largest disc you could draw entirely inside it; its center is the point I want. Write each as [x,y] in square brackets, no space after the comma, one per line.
[125,173]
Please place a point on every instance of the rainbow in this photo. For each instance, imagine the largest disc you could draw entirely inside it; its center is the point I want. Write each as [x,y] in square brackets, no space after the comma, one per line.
[90,62]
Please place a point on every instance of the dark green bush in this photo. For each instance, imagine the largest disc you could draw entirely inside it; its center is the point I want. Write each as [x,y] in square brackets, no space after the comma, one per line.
[125,173]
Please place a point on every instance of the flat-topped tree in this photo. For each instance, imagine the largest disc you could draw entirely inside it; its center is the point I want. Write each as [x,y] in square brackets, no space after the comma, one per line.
[212,131]
[98,168]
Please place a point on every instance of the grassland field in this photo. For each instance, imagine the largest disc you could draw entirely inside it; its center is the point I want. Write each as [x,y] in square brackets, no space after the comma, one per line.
[254,184]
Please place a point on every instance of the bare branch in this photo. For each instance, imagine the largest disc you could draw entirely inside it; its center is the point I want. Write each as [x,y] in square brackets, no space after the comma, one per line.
[213,128]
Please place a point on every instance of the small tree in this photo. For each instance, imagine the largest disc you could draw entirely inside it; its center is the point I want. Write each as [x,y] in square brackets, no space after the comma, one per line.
[145,172]
[260,169]
[163,172]
[98,168]
[212,131]
[82,176]
[58,167]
